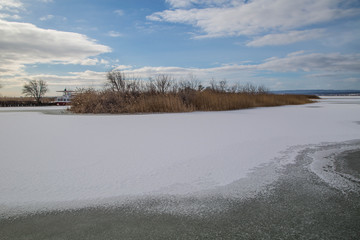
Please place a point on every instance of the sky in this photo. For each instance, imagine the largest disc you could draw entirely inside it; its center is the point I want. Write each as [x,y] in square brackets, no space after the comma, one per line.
[281,44]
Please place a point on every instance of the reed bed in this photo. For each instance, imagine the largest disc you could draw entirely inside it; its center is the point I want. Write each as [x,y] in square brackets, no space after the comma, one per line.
[107,102]
[164,94]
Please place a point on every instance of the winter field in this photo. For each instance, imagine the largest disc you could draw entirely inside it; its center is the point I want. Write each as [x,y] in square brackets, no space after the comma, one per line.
[201,170]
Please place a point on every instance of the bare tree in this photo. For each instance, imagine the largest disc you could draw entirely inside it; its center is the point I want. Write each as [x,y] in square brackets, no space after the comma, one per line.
[235,88]
[163,83]
[213,85]
[175,87]
[262,89]
[249,88]
[150,86]
[35,89]
[191,83]
[116,80]
[223,85]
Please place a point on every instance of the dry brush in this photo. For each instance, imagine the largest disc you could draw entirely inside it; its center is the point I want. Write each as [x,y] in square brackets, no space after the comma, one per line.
[164,94]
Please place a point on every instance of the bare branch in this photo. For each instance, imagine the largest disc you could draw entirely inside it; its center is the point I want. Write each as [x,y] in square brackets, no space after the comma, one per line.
[163,83]
[35,89]
[116,80]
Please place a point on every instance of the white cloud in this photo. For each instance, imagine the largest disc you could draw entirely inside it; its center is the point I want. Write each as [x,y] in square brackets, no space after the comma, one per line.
[295,62]
[190,3]
[104,62]
[114,34]
[73,79]
[148,71]
[286,38]
[9,16]
[85,62]
[10,5]
[119,12]
[47,17]
[296,53]
[179,3]
[9,9]
[321,62]
[314,65]
[123,67]
[254,17]
[25,43]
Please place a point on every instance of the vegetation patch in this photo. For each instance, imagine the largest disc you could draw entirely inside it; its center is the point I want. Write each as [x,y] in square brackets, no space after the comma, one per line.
[165,94]
[25,101]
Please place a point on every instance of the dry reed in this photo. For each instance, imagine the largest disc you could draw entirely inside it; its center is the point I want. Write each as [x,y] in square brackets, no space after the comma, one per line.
[164,94]
[110,102]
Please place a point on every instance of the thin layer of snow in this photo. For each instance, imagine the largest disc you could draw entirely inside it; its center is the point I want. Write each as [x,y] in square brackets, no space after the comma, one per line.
[56,158]
[37,109]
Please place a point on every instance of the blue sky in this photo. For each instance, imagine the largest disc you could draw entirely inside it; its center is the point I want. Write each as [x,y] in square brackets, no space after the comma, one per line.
[282,44]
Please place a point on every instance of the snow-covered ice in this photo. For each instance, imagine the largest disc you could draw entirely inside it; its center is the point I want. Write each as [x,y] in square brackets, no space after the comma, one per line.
[37,109]
[61,158]
[324,165]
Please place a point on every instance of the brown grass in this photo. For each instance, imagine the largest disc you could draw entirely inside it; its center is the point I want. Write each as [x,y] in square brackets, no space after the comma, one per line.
[164,94]
[92,101]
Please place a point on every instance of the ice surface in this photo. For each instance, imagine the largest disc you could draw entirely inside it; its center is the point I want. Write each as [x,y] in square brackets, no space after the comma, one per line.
[37,109]
[63,158]
[324,165]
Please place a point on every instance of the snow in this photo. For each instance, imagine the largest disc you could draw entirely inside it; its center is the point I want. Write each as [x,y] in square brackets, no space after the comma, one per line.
[60,158]
[21,109]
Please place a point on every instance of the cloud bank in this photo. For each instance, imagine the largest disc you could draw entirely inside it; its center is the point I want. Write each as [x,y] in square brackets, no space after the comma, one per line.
[286,38]
[312,65]
[25,43]
[293,62]
[257,17]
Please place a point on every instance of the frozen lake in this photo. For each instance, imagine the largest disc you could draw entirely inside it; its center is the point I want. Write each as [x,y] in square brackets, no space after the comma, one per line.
[125,169]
